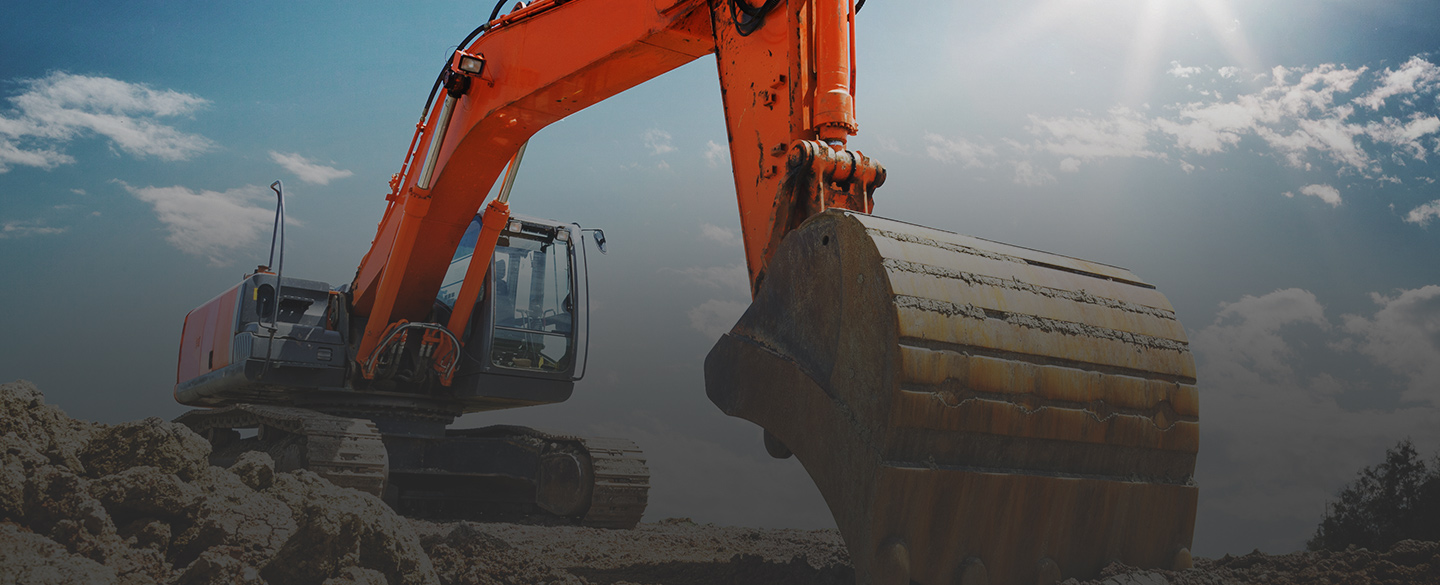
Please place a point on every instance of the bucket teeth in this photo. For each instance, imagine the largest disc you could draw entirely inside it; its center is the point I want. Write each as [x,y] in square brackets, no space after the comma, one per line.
[983,409]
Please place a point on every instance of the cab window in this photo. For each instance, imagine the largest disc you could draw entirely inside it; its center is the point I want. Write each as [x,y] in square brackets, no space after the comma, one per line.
[533,305]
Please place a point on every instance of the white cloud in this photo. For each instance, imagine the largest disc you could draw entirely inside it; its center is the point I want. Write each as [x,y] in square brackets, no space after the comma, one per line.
[1417,73]
[715,317]
[731,278]
[1405,135]
[1335,137]
[1201,135]
[658,141]
[46,158]
[307,170]
[1304,117]
[1326,193]
[1422,215]
[210,223]
[715,154]
[1121,134]
[26,228]
[1178,70]
[1314,91]
[1298,113]
[719,235]
[1404,335]
[56,109]
[1295,119]
[78,191]
[1030,175]
[965,152]
[1246,333]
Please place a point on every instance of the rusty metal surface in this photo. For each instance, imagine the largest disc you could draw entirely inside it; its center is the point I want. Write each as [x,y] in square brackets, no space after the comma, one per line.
[971,411]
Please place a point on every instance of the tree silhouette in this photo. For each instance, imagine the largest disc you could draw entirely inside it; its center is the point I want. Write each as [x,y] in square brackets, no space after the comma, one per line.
[1396,500]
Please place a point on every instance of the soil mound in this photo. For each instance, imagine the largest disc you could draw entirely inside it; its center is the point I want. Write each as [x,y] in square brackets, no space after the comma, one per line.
[139,503]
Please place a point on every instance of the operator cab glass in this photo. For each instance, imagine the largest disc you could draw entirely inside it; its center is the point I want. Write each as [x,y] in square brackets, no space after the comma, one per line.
[455,275]
[533,304]
[530,296]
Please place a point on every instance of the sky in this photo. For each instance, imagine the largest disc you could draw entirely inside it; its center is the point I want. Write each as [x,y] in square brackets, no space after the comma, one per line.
[1269,165]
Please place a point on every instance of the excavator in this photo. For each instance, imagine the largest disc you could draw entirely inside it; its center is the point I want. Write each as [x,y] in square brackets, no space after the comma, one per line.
[972,412]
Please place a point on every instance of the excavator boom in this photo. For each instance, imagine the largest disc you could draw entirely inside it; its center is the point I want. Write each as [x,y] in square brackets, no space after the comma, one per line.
[785,76]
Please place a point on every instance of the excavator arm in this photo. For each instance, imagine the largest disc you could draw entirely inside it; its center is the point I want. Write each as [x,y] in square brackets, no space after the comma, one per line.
[785,73]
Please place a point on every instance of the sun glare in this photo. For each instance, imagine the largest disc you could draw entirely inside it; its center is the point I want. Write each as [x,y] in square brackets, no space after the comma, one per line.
[1143,35]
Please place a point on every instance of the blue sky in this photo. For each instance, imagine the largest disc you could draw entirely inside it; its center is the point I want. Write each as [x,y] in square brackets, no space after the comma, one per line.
[1268,164]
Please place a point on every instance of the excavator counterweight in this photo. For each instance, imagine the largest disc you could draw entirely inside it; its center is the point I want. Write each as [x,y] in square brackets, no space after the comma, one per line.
[972,412]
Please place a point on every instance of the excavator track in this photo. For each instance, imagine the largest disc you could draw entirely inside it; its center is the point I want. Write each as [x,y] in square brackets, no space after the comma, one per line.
[621,483]
[606,486]
[347,451]
[609,476]
[973,412]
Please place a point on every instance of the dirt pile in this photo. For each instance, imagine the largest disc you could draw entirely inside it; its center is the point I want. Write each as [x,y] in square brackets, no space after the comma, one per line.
[138,502]
[1409,562]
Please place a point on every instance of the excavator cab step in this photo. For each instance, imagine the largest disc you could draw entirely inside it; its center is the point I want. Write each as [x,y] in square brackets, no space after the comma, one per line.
[972,412]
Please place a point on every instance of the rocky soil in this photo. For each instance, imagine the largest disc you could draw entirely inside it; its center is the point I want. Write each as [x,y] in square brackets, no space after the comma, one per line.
[138,503]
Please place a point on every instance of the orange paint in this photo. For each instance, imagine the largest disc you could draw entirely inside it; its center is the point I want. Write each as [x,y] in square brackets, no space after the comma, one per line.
[208,328]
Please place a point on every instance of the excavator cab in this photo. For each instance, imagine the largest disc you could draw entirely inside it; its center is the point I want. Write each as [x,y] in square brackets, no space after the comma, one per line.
[531,294]
[525,342]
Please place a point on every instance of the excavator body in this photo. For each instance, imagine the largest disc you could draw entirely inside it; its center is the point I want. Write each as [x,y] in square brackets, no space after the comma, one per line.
[273,360]
[972,412]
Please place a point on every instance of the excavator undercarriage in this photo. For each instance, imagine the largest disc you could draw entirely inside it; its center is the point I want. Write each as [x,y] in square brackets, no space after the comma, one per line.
[972,412]
[495,473]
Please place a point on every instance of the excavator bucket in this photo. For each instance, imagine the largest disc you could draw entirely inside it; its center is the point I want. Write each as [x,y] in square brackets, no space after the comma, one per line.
[972,412]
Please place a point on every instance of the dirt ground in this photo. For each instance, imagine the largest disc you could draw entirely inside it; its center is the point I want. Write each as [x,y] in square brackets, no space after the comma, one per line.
[678,552]
[138,503]
[671,551]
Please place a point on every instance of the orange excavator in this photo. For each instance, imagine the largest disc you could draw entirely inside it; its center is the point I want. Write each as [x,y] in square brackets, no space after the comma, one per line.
[972,412]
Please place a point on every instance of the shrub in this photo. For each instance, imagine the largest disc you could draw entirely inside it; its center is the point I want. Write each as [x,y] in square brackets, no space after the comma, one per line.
[1396,500]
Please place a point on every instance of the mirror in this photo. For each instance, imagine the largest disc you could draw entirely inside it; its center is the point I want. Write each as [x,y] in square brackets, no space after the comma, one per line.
[600,240]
